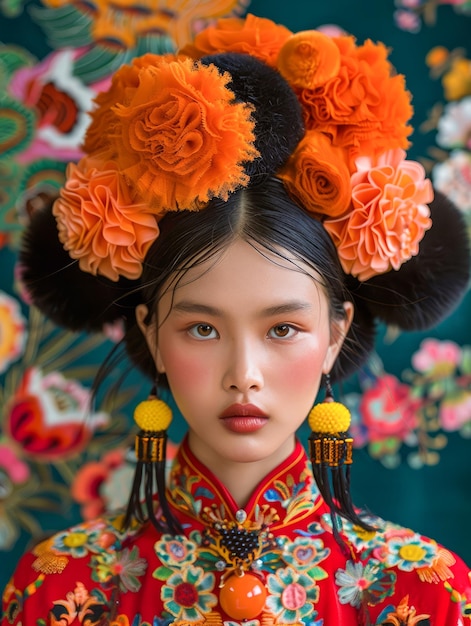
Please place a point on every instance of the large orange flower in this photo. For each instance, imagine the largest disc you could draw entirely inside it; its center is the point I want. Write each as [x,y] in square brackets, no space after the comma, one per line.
[388,218]
[183,138]
[125,81]
[257,36]
[99,222]
[317,176]
[365,107]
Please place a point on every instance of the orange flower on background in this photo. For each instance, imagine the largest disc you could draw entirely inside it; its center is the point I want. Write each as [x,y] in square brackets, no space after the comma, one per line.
[389,215]
[184,138]
[317,176]
[100,224]
[257,36]
[309,59]
[123,84]
[365,108]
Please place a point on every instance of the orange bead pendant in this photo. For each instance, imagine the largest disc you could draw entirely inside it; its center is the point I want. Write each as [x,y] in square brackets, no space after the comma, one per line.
[243,597]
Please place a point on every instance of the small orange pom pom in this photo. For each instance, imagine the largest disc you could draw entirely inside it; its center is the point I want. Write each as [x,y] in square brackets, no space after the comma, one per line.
[329,417]
[153,415]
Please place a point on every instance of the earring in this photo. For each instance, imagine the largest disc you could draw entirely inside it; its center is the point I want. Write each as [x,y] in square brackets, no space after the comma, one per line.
[331,447]
[329,421]
[153,416]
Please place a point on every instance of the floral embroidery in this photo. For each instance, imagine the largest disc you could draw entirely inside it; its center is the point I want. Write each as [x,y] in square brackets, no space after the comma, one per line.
[124,567]
[305,554]
[293,595]
[187,595]
[89,609]
[175,551]
[410,552]
[403,615]
[360,582]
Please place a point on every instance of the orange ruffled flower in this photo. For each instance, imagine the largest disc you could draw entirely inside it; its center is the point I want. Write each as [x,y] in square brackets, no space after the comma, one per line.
[99,224]
[183,137]
[388,218]
[257,36]
[365,107]
[309,59]
[317,176]
[125,81]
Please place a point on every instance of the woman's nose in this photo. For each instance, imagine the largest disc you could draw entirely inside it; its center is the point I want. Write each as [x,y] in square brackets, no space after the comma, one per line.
[244,367]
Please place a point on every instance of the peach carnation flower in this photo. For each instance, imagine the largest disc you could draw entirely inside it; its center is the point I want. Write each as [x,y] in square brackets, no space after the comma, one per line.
[100,224]
[257,36]
[317,176]
[183,137]
[388,217]
[365,107]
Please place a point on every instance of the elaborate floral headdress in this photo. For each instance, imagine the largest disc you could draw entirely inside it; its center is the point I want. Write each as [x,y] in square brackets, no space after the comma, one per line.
[328,117]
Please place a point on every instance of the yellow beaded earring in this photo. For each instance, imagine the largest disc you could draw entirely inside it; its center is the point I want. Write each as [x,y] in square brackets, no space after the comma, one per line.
[153,416]
[330,448]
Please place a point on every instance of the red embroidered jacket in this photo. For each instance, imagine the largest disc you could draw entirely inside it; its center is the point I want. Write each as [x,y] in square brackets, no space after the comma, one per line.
[274,562]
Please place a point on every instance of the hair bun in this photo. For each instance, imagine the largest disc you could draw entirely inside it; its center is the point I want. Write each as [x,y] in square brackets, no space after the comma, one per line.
[55,283]
[278,117]
[430,285]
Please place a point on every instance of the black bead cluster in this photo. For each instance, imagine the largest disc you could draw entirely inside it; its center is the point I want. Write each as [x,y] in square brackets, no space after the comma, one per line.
[239,543]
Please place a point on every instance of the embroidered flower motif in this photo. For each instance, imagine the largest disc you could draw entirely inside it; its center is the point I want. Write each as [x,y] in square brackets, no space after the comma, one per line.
[316,174]
[452,178]
[437,359]
[404,616]
[304,554]
[253,35]
[410,553]
[49,416]
[175,551]
[354,580]
[78,604]
[292,595]
[76,542]
[17,470]
[454,126]
[389,215]
[99,224]
[389,409]
[12,331]
[455,411]
[124,567]
[187,594]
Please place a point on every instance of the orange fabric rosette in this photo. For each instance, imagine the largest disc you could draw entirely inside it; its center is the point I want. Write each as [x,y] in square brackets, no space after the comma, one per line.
[317,175]
[355,96]
[99,223]
[183,139]
[388,217]
[257,36]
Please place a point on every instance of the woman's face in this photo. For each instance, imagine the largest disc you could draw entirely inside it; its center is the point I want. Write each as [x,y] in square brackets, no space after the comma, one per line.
[243,341]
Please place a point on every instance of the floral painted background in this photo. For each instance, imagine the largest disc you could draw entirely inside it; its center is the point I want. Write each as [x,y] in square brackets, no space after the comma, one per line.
[61,461]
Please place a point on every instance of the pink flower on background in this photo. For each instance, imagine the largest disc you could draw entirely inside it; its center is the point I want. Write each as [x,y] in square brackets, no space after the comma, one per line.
[455,411]
[437,358]
[408,21]
[61,103]
[388,409]
[49,416]
[16,469]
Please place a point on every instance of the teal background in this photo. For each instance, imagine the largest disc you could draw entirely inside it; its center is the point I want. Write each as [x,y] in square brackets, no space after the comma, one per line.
[436,500]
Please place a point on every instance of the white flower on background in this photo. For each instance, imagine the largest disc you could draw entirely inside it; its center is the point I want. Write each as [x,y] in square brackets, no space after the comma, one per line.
[454,126]
[453,178]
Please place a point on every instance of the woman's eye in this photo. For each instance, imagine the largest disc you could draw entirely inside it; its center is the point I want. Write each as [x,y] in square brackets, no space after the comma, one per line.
[282,331]
[203,331]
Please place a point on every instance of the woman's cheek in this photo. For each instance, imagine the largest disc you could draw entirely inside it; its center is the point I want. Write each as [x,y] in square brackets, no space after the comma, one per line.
[302,372]
[185,371]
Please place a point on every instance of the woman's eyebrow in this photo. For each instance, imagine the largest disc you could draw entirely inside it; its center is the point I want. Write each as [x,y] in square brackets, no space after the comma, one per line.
[187,306]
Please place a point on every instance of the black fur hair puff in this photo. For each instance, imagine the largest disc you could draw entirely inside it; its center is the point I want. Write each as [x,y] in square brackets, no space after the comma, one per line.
[70,297]
[430,285]
[278,117]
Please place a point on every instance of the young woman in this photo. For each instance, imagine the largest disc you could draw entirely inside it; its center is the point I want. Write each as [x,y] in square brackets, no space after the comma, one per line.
[250,239]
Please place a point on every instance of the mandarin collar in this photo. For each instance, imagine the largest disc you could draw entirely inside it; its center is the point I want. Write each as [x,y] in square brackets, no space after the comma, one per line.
[288,492]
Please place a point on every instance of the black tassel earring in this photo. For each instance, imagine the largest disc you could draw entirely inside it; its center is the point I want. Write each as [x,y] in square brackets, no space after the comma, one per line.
[331,450]
[153,416]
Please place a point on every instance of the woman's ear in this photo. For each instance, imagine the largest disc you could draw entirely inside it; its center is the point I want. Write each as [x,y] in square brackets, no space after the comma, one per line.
[150,335]
[338,332]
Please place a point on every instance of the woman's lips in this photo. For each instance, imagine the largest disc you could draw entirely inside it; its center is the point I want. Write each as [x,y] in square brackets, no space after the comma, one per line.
[243,418]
